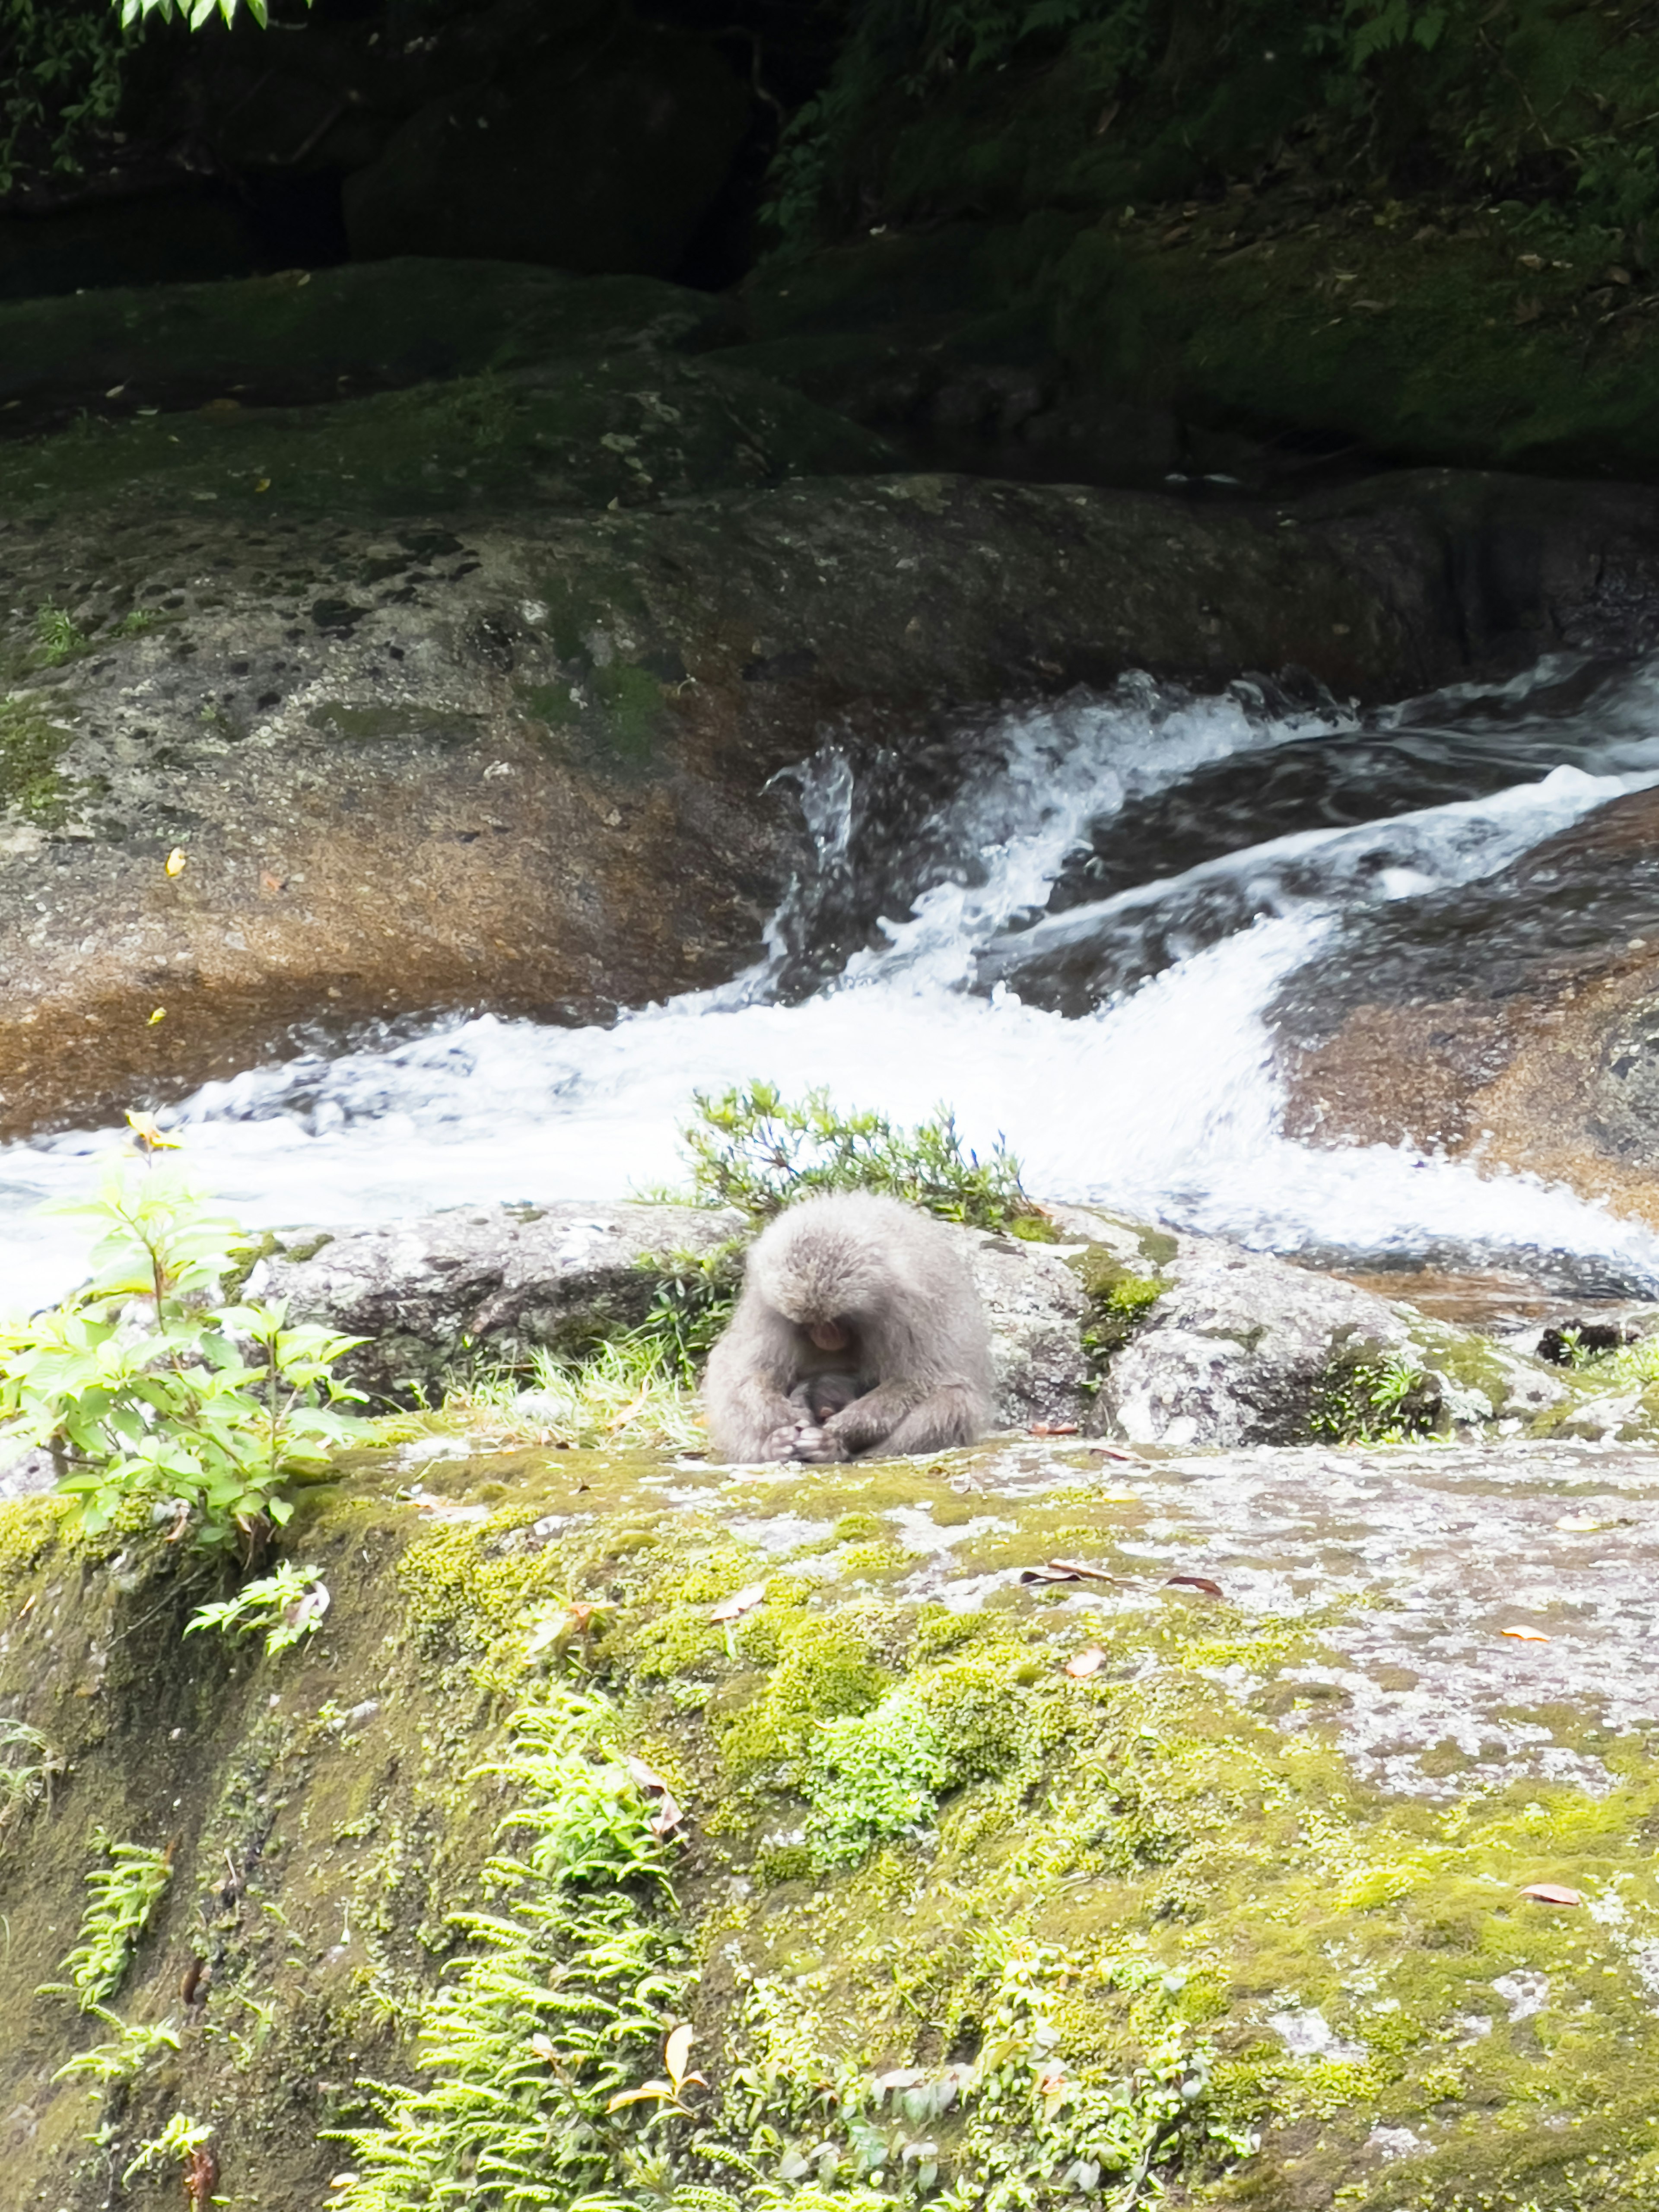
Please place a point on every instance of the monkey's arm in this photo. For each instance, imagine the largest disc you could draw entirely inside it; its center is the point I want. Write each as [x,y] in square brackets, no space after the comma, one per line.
[893,1419]
[746,1390]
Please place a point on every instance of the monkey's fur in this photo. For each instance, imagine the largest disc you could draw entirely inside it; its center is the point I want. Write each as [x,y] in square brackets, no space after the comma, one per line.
[851,1288]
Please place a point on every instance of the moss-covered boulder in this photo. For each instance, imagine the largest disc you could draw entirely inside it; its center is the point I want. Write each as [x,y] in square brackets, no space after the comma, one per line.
[1292,1852]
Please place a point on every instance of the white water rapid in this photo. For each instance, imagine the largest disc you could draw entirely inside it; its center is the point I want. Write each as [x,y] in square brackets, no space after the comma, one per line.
[1161,1099]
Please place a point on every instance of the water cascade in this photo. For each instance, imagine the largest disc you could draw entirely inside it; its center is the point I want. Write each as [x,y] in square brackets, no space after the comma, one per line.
[1069,925]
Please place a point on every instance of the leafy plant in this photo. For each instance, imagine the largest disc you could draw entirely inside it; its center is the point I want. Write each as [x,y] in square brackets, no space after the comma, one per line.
[285,1607]
[752,1148]
[195,13]
[185,2140]
[125,1892]
[60,67]
[28,1765]
[56,639]
[1380,1401]
[574,1972]
[124,2057]
[668,2096]
[144,1387]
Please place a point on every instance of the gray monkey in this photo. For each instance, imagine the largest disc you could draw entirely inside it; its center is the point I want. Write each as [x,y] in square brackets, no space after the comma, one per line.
[851,1286]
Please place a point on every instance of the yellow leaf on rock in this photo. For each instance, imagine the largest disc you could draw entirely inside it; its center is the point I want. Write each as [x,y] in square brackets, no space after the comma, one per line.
[1527,1635]
[175,861]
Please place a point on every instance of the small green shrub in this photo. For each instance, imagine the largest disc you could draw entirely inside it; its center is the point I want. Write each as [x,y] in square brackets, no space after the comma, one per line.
[285,1607]
[56,637]
[124,2056]
[693,1302]
[1382,1400]
[754,1149]
[125,1892]
[574,1972]
[144,1387]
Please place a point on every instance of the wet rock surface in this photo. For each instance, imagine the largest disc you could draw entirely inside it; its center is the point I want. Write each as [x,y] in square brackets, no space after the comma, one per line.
[1213,1347]
[490,1281]
[1515,1016]
[523,764]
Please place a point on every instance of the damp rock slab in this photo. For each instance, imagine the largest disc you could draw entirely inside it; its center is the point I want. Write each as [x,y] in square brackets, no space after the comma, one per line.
[502,1280]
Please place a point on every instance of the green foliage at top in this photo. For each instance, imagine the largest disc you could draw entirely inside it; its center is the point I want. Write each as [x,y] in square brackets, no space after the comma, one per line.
[193,12]
[1546,101]
[125,1892]
[60,77]
[144,1387]
[570,1982]
[753,1148]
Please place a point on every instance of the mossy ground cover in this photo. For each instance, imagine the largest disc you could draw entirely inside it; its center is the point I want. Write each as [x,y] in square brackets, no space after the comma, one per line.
[959,1921]
[586,433]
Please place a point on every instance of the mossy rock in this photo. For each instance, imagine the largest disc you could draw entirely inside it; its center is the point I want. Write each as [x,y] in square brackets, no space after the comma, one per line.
[913,1835]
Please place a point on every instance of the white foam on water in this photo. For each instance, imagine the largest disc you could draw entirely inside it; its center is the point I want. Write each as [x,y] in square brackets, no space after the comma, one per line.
[1165,1103]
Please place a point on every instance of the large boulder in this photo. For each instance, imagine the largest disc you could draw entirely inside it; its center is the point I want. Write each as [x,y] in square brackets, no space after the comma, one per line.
[484,1282]
[1517,1017]
[1238,1349]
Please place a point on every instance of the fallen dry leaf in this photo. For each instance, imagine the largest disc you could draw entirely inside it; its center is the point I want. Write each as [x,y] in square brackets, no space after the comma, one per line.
[174,862]
[1551,1892]
[1067,1571]
[1195,1582]
[741,1601]
[1089,1661]
[444,1509]
[270,883]
[666,1814]
[1526,1635]
[1112,1451]
[1052,1428]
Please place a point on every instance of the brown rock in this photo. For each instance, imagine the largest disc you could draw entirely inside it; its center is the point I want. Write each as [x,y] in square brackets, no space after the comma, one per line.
[1517,1018]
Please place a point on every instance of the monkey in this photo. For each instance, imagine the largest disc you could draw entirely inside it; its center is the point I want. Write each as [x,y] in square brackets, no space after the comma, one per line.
[819,1396]
[851,1288]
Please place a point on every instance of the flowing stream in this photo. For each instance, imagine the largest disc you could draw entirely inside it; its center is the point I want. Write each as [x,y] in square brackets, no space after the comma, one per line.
[1067,925]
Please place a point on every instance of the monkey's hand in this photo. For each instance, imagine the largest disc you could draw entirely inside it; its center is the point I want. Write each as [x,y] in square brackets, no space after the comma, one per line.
[783,1440]
[817,1447]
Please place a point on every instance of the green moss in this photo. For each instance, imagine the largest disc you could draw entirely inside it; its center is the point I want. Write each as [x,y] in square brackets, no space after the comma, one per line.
[915,1839]
[632,701]
[31,745]
[824,1670]
[860,1528]
[1120,1299]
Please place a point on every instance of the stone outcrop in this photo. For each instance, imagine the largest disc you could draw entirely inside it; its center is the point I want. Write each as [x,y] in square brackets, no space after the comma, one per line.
[1517,1017]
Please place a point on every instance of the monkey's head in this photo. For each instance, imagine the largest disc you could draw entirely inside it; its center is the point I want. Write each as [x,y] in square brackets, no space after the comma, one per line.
[821,1272]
